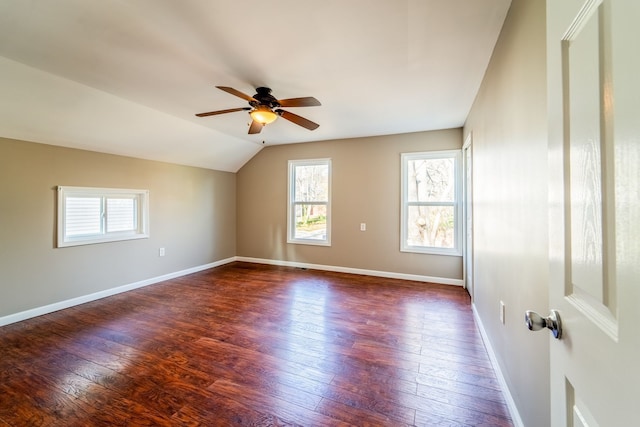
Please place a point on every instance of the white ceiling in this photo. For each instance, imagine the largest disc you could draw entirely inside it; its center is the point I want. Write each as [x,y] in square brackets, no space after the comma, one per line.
[127,77]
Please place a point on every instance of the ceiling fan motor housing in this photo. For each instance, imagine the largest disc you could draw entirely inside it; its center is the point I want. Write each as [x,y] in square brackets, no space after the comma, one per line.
[264,97]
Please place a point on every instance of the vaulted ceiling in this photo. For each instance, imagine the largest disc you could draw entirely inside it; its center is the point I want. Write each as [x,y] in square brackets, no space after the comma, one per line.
[127,77]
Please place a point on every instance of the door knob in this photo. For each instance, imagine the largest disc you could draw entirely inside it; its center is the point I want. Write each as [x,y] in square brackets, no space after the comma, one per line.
[535,322]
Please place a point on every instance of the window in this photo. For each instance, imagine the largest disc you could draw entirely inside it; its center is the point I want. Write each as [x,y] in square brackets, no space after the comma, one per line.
[431,205]
[309,209]
[95,215]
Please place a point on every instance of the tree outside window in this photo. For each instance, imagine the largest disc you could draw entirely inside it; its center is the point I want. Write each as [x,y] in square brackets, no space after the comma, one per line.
[431,205]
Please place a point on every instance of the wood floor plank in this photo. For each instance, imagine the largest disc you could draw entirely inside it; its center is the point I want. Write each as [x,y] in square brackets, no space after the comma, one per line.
[254,345]
[353,415]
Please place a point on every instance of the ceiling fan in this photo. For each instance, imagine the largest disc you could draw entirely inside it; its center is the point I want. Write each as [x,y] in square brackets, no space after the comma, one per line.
[265,108]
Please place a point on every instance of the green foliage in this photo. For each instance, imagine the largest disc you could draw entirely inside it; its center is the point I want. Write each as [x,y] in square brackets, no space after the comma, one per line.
[308,221]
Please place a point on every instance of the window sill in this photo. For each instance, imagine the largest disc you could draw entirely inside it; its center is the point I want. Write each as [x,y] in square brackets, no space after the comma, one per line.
[431,251]
[94,240]
[308,242]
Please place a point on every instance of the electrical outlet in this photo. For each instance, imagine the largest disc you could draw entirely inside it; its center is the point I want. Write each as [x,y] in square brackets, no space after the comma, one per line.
[161,252]
[363,226]
[502,312]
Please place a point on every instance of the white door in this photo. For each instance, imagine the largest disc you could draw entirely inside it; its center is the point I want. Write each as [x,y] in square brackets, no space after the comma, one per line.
[468,216]
[593,59]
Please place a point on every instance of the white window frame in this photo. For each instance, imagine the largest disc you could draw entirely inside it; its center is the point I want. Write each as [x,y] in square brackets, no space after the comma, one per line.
[456,155]
[292,203]
[141,230]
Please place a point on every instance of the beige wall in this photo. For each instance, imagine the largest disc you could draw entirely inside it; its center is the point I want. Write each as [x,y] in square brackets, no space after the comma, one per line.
[365,188]
[192,215]
[508,123]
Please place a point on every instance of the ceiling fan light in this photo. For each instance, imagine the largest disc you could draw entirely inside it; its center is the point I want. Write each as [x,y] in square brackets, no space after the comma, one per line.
[263,115]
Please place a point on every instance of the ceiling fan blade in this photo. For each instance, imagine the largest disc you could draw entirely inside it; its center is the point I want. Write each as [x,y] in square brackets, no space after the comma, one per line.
[308,101]
[255,127]
[231,110]
[237,93]
[300,121]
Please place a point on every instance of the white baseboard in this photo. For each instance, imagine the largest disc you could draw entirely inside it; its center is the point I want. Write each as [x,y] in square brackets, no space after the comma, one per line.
[376,273]
[39,311]
[511,404]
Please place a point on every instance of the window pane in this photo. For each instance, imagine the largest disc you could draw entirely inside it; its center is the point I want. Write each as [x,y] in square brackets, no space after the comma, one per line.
[121,214]
[431,226]
[311,222]
[312,183]
[82,216]
[431,180]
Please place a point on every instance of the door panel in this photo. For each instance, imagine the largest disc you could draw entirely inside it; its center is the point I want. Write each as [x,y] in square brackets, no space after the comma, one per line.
[579,414]
[594,146]
[586,84]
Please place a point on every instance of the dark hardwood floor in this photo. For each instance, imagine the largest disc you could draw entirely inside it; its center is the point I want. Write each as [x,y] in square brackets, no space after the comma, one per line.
[254,345]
